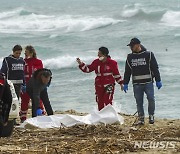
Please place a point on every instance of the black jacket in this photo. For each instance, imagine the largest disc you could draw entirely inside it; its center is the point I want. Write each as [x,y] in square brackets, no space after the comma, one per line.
[35,86]
[143,67]
[5,99]
[37,90]
[13,68]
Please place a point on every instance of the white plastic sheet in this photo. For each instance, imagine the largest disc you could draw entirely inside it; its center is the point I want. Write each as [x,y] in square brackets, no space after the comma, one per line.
[107,115]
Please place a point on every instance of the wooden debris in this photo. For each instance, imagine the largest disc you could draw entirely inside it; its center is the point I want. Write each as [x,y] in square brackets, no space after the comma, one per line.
[86,139]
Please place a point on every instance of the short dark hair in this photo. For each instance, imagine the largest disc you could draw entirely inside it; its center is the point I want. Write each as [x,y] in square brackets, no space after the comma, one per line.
[42,72]
[46,73]
[17,48]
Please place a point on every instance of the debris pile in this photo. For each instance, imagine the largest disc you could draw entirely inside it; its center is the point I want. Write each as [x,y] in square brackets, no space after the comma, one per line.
[101,139]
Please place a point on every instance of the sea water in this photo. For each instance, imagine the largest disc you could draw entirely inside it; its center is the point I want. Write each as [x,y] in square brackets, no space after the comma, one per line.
[61,30]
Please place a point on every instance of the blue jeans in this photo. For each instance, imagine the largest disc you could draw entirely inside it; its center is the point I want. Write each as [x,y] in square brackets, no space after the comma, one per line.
[139,90]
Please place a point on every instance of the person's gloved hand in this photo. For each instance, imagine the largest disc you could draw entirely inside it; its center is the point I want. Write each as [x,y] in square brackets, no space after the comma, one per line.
[23,88]
[158,84]
[125,88]
[39,112]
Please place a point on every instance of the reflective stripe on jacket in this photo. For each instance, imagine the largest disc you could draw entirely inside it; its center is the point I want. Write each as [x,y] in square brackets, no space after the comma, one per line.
[106,72]
[143,67]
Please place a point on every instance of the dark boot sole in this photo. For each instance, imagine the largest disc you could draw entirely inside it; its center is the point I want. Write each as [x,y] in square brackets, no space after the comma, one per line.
[6,131]
[151,122]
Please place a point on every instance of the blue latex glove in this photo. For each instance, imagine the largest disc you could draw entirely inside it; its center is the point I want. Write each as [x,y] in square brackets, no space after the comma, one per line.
[23,88]
[39,112]
[159,84]
[125,88]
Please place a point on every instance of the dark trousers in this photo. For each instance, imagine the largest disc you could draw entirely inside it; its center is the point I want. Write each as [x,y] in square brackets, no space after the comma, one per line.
[45,99]
[6,101]
[17,88]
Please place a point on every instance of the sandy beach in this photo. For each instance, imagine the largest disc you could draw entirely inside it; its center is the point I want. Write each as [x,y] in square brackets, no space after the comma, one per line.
[61,31]
[161,137]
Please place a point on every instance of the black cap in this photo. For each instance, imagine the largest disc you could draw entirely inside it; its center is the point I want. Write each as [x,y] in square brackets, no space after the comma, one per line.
[134,41]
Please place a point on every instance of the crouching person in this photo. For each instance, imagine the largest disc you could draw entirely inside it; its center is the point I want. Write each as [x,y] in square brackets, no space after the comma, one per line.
[37,89]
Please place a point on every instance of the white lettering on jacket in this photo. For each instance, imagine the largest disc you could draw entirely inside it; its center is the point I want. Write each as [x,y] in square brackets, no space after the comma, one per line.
[138,62]
[16,67]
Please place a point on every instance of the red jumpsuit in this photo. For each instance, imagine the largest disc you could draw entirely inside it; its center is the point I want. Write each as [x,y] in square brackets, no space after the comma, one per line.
[31,65]
[106,74]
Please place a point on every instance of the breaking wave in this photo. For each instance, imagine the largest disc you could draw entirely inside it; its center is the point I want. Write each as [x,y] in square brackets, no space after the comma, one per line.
[137,11]
[21,20]
[171,18]
[67,61]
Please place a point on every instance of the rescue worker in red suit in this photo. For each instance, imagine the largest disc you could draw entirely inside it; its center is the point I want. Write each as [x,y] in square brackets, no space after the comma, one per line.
[31,65]
[107,73]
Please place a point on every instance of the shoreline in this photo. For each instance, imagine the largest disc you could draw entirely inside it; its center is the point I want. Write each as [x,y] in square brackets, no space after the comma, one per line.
[72,111]
[161,137]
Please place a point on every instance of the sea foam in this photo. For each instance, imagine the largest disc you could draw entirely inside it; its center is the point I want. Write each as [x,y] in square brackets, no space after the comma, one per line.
[171,18]
[21,20]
